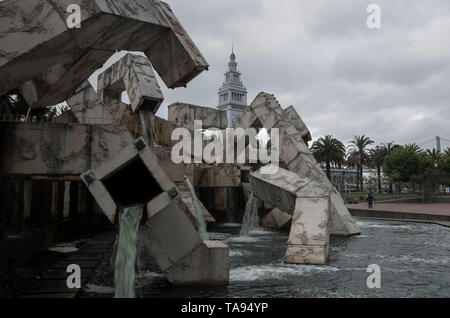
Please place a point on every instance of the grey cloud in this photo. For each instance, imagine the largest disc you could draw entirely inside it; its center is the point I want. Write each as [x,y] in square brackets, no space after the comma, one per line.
[344,79]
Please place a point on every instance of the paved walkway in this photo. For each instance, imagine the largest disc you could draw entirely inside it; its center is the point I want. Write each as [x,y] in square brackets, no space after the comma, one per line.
[431,209]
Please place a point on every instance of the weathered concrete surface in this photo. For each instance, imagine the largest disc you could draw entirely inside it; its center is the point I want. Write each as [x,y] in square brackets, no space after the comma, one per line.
[88,109]
[186,196]
[290,114]
[184,115]
[265,111]
[219,176]
[133,74]
[48,61]
[276,219]
[207,265]
[136,176]
[309,203]
[58,149]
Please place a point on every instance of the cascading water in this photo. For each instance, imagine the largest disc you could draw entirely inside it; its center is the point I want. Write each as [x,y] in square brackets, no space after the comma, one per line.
[250,221]
[125,260]
[198,212]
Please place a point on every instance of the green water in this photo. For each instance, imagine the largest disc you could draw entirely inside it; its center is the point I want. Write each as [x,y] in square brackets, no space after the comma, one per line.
[202,231]
[125,260]
[250,221]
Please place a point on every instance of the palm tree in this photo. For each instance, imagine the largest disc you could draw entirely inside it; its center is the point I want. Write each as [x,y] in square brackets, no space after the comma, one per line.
[377,156]
[414,147]
[329,150]
[434,155]
[359,155]
[447,153]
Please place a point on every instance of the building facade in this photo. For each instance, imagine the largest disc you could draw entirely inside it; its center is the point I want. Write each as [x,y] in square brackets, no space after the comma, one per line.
[232,94]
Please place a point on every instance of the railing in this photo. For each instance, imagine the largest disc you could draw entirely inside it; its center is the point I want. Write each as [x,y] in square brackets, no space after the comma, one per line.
[133,129]
[55,120]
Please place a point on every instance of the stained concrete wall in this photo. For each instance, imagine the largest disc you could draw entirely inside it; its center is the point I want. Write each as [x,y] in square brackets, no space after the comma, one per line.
[37,212]
[184,115]
[58,149]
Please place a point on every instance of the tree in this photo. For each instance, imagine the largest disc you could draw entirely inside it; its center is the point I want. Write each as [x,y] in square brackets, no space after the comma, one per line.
[444,165]
[389,147]
[329,151]
[432,175]
[13,104]
[415,147]
[434,156]
[377,156]
[447,153]
[359,156]
[402,163]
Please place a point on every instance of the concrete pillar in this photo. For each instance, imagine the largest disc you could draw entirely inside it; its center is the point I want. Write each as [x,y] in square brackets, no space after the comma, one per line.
[54,210]
[66,209]
[27,193]
[309,203]
[81,207]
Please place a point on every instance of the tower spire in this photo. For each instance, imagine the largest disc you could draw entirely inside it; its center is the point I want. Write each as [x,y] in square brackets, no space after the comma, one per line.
[232,94]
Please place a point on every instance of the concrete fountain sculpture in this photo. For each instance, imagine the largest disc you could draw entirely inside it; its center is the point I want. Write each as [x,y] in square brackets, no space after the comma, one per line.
[135,176]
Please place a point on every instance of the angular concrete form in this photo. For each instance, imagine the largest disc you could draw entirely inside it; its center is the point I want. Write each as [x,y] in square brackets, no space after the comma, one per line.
[48,61]
[133,74]
[58,149]
[136,176]
[88,109]
[290,114]
[309,203]
[184,115]
[276,219]
[265,111]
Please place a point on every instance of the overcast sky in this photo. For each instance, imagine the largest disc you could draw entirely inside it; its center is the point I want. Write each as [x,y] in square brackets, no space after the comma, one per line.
[344,79]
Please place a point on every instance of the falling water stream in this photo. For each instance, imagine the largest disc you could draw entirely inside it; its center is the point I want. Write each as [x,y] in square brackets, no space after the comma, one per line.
[198,212]
[250,221]
[125,260]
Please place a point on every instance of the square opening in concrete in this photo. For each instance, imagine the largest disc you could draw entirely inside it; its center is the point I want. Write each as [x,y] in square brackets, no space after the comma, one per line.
[149,105]
[132,184]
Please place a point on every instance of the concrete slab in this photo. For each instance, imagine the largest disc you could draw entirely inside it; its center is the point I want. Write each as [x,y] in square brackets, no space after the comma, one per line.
[49,64]
[309,203]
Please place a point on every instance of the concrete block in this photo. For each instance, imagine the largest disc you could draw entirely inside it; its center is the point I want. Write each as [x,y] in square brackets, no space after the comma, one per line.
[169,234]
[50,62]
[134,74]
[295,154]
[276,219]
[306,254]
[136,176]
[309,203]
[207,265]
[290,114]
[184,115]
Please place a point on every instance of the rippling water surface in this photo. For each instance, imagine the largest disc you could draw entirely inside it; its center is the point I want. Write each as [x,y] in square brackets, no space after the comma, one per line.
[414,260]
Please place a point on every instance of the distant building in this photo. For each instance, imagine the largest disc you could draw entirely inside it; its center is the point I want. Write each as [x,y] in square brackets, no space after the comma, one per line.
[232,94]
